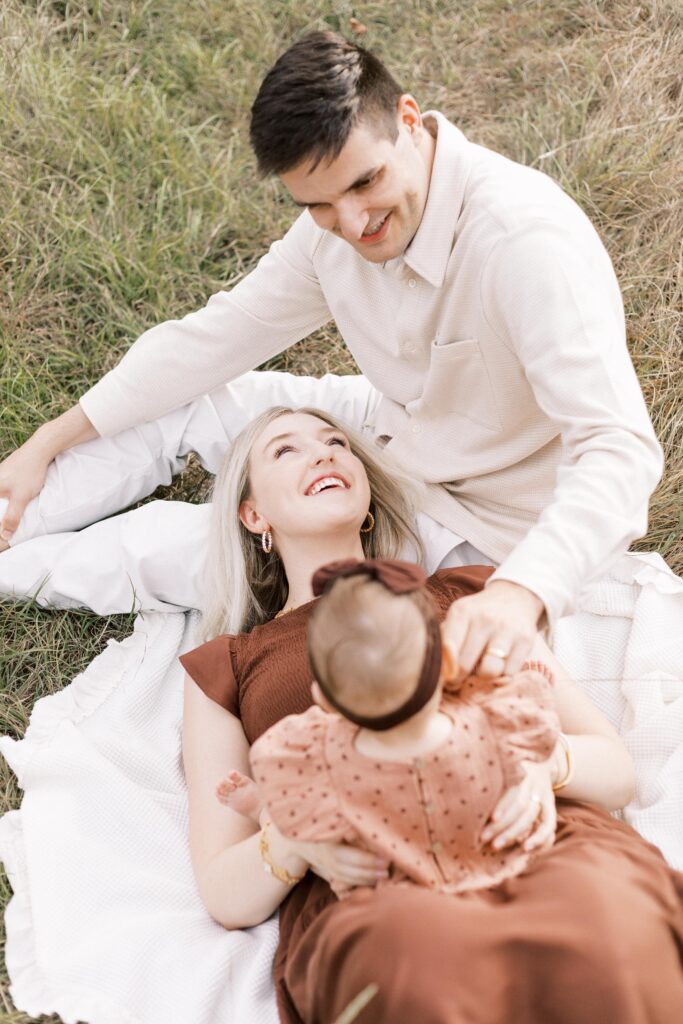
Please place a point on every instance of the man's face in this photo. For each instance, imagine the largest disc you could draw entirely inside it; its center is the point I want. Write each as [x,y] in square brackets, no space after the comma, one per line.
[373,195]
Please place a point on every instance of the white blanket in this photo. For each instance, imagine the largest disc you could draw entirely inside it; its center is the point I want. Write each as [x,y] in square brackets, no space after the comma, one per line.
[105,925]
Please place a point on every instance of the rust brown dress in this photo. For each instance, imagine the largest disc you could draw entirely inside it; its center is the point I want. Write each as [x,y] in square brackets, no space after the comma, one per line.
[591,933]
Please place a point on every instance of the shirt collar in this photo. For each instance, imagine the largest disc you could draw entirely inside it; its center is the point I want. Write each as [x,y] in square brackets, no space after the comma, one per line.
[430,249]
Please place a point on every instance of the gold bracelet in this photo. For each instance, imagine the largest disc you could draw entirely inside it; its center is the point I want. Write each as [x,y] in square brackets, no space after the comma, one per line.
[268,865]
[570,766]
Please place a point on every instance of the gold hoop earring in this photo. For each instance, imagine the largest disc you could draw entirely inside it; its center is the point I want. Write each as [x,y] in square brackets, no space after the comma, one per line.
[267,541]
[371,527]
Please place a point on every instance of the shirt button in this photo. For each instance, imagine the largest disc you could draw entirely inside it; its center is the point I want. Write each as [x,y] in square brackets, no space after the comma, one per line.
[412,282]
[416,428]
[436,847]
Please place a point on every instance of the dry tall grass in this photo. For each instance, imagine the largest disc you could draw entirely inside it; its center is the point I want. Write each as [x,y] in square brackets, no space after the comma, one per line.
[128,194]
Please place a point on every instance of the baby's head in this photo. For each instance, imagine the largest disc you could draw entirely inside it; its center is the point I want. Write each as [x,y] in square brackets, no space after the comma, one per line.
[374,642]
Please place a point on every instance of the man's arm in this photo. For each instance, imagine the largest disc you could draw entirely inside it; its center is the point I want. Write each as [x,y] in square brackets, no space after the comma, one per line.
[278,303]
[560,311]
[564,319]
[22,474]
[274,306]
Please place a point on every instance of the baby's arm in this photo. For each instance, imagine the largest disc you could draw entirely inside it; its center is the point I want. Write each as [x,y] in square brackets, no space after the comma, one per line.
[241,794]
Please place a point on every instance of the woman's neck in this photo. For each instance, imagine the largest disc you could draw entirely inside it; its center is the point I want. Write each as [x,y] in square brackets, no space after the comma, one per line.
[301,561]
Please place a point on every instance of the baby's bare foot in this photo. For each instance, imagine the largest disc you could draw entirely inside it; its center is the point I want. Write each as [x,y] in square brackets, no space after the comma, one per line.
[241,794]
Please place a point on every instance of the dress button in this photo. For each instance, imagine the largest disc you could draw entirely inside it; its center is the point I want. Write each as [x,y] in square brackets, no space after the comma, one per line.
[418,762]
[436,847]
[416,428]
[429,808]
[412,282]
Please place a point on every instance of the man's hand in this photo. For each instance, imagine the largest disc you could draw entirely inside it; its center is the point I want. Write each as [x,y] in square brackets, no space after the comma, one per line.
[22,474]
[492,631]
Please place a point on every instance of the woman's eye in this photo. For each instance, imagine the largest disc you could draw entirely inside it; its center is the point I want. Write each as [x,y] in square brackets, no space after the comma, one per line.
[337,440]
[283,448]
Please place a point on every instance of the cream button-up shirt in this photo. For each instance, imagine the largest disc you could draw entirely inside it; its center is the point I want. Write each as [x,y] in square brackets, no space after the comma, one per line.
[497,341]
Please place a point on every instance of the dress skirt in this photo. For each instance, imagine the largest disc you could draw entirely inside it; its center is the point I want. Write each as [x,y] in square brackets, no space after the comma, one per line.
[590,933]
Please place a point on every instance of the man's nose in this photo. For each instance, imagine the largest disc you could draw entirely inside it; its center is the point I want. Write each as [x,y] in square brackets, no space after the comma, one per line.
[352,220]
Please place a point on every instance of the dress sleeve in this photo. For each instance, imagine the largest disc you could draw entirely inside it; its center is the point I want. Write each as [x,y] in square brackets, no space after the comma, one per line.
[212,666]
[288,763]
[521,712]
[447,585]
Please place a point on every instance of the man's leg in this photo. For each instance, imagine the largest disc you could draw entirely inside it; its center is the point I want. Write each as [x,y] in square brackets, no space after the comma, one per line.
[95,479]
[149,559]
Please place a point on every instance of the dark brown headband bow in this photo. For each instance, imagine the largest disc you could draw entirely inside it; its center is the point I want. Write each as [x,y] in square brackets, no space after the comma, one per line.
[400,578]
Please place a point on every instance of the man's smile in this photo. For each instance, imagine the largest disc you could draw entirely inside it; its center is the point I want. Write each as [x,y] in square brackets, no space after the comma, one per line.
[377,232]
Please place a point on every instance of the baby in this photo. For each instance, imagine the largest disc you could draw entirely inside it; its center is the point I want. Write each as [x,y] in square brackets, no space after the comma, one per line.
[395,757]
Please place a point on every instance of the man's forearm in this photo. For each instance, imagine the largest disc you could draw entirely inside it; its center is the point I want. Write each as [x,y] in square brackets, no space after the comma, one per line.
[71,428]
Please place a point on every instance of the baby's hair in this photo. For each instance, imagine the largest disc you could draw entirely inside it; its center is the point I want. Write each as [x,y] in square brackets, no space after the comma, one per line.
[368,644]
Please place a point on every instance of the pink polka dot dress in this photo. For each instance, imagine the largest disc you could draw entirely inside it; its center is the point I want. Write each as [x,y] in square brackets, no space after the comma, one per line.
[426,814]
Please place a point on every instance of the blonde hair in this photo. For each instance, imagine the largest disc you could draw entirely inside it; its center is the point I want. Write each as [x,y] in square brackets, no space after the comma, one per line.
[368,644]
[245,587]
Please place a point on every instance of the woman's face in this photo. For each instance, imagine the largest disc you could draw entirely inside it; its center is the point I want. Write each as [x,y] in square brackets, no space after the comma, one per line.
[305,481]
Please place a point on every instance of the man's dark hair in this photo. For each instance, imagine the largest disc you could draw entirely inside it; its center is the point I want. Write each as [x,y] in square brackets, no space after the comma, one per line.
[313,96]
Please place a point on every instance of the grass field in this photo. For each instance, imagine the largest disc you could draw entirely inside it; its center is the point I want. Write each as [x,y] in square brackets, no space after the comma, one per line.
[128,195]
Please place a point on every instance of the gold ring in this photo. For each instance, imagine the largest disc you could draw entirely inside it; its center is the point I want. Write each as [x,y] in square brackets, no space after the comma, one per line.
[496,652]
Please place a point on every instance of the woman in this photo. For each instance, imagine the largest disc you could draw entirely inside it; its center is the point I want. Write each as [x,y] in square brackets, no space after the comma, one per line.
[593,931]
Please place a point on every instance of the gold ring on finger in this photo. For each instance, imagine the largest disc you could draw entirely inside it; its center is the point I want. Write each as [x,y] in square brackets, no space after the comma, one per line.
[496,652]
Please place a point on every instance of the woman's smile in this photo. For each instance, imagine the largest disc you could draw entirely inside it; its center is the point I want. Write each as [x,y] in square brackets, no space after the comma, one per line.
[332,481]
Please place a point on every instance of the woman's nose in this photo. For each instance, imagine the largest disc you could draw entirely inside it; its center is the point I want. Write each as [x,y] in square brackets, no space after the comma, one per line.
[326,454]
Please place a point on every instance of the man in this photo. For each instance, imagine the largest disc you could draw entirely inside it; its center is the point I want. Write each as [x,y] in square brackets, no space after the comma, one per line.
[477,299]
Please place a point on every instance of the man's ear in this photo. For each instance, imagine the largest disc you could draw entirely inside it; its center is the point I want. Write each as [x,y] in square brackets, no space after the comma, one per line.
[321,700]
[408,112]
[250,518]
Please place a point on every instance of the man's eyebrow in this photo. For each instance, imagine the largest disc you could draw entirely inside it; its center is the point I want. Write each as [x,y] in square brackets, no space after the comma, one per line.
[281,437]
[358,183]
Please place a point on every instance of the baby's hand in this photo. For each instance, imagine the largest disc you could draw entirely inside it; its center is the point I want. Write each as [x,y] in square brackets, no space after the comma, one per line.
[241,794]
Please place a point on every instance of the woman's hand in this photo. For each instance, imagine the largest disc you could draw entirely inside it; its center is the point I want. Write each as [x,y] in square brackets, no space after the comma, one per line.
[521,818]
[332,861]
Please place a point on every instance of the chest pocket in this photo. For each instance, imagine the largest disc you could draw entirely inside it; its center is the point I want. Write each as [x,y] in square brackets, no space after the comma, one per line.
[457,384]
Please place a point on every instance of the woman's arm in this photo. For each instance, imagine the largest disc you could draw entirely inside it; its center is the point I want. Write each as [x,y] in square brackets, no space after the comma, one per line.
[604,772]
[224,846]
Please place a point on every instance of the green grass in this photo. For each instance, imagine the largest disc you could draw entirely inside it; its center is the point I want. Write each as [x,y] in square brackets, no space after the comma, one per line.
[128,195]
